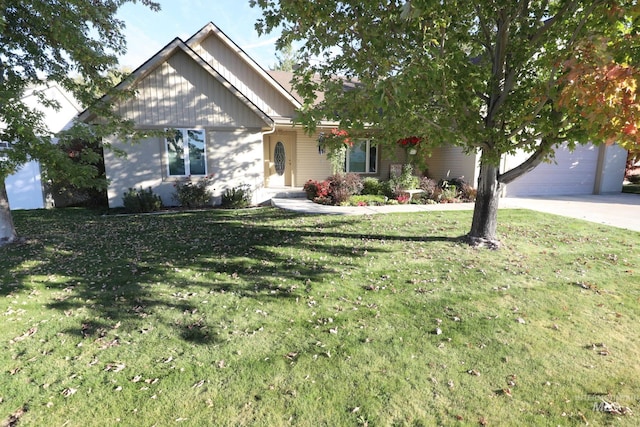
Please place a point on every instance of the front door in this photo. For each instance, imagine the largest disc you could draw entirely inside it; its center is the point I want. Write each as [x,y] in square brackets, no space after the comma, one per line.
[280,160]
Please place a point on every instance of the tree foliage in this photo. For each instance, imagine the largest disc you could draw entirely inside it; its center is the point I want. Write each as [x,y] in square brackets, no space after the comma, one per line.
[57,41]
[489,76]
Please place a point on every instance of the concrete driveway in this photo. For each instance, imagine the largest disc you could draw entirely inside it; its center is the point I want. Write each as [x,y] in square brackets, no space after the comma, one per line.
[618,210]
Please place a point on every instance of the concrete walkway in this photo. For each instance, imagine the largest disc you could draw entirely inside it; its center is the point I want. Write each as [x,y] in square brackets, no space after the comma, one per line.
[618,210]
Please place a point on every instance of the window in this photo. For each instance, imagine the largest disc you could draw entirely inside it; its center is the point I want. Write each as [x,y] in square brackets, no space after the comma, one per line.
[362,157]
[188,158]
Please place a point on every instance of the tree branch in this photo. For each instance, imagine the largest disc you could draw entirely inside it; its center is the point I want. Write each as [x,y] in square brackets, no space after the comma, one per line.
[534,160]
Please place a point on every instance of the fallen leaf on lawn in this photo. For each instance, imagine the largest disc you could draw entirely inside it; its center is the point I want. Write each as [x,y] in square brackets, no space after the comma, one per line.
[69,391]
[438,331]
[24,336]
[473,372]
[221,364]
[356,409]
[333,331]
[520,320]
[198,384]
[291,355]
[115,367]
[136,378]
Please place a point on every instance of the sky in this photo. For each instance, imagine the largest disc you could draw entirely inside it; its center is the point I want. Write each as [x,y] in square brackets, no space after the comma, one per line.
[147,32]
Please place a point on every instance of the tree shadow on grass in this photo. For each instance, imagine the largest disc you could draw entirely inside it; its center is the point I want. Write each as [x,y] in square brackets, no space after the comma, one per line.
[124,269]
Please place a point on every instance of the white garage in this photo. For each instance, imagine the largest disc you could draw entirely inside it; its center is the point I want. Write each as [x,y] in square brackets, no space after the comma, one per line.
[588,169]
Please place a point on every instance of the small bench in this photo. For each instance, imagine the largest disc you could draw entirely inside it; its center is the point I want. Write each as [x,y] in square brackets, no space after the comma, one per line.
[412,192]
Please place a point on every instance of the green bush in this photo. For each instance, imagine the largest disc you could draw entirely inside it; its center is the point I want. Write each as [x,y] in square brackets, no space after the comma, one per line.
[366,200]
[237,197]
[137,201]
[405,181]
[191,194]
[372,186]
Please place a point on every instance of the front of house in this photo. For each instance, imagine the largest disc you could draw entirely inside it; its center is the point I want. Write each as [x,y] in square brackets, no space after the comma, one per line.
[233,121]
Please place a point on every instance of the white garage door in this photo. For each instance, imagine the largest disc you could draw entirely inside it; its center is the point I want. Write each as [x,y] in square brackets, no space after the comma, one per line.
[570,173]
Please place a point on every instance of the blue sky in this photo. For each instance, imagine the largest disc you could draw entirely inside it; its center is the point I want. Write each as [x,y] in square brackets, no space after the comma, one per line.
[147,32]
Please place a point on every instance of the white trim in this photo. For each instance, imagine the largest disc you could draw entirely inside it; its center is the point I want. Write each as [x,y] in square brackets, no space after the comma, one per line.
[367,166]
[186,157]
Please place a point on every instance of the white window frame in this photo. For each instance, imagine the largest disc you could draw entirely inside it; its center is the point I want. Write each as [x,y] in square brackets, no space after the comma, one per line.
[185,155]
[367,168]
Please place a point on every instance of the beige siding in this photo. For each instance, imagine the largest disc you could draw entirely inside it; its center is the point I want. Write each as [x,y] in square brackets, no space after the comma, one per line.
[312,165]
[180,93]
[244,78]
[452,162]
[309,163]
[233,157]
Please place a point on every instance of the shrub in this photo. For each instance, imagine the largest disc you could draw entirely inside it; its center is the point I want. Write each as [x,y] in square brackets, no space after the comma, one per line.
[405,181]
[315,189]
[366,200]
[237,197]
[136,201]
[372,186]
[430,188]
[191,194]
[343,186]
[449,193]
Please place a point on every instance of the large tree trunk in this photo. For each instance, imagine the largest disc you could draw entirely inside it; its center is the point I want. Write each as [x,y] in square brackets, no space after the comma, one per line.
[7,229]
[485,212]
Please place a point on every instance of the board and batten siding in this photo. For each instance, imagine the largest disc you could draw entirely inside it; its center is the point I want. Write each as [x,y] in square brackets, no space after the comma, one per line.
[233,68]
[180,93]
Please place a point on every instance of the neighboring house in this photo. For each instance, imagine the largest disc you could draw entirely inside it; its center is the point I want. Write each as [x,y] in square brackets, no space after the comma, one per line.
[25,188]
[233,120]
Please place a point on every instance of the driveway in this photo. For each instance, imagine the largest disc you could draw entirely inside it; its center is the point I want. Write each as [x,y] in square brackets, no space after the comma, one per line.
[617,210]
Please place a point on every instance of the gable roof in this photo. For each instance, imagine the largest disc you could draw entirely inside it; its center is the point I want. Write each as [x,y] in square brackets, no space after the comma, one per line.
[162,56]
[211,28]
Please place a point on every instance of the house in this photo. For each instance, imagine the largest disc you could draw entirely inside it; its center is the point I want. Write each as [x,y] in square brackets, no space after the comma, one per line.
[588,169]
[233,120]
[25,188]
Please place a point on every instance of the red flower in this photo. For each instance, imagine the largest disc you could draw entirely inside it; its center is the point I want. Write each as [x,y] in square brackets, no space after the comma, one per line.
[410,141]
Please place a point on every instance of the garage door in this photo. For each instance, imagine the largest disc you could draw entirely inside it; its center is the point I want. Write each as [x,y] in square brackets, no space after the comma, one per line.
[570,173]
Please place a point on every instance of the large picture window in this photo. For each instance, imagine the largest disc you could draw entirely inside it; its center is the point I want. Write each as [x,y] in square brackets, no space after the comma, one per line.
[186,153]
[362,157]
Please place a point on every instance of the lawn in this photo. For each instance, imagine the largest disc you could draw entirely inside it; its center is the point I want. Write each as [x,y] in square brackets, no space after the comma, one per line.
[269,318]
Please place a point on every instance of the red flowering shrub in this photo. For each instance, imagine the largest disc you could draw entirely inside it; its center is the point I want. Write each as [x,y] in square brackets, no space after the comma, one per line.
[316,189]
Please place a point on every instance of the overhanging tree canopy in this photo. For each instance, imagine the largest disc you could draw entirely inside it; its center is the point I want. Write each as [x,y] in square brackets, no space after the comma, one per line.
[56,41]
[489,76]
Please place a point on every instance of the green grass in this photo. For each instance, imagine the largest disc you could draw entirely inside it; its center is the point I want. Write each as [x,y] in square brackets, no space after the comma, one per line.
[631,188]
[268,318]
